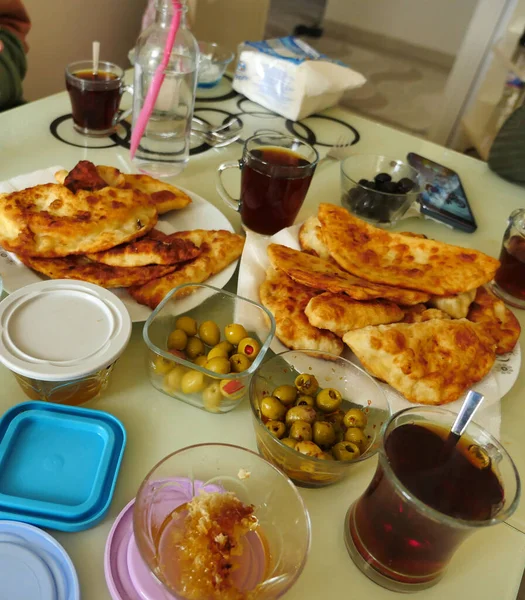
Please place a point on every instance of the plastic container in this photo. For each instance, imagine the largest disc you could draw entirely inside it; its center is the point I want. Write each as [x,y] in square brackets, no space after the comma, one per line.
[213,62]
[61,338]
[206,303]
[358,389]
[58,464]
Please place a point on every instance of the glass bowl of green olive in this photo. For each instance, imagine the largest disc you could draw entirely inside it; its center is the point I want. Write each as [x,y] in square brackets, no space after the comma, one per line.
[316,415]
[204,344]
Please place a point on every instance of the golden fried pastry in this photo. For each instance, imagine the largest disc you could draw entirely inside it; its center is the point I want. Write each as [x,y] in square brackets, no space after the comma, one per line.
[286,300]
[218,250]
[148,251]
[51,221]
[320,274]
[165,197]
[339,313]
[420,313]
[83,269]
[496,319]
[311,238]
[455,306]
[429,363]
[400,260]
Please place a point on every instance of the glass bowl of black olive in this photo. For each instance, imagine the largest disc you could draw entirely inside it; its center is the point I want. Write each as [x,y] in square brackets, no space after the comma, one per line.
[378,189]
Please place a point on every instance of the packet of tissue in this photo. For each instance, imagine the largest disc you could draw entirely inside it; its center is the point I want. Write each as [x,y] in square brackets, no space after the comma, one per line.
[289,77]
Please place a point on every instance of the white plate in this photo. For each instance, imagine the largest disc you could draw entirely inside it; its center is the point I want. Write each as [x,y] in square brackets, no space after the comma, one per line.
[200,214]
[494,386]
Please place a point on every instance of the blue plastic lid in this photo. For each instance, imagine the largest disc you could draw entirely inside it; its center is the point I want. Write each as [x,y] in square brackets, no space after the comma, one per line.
[34,566]
[58,464]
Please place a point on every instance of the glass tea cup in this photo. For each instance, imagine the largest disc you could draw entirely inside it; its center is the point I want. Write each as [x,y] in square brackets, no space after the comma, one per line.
[95,98]
[403,531]
[509,281]
[267,561]
[276,171]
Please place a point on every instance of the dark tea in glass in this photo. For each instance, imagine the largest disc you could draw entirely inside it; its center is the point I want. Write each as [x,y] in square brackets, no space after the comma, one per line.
[425,499]
[509,281]
[276,171]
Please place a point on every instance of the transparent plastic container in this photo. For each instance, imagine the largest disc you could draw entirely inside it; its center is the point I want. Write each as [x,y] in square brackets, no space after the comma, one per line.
[206,303]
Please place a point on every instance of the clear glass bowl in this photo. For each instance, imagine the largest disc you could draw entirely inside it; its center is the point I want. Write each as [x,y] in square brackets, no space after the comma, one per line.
[380,208]
[204,304]
[358,389]
[273,556]
[213,62]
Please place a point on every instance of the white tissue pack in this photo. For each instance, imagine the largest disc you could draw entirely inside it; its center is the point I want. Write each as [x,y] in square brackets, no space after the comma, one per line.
[289,77]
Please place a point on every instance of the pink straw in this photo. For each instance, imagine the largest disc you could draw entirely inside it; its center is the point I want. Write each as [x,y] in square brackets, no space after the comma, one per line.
[158,78]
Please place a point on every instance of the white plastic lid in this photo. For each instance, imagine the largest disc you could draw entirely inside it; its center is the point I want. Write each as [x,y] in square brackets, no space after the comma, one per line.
[61,329]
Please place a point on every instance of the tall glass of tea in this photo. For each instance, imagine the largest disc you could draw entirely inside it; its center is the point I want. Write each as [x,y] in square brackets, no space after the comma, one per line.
[276,171]
[509,281]
[425,499]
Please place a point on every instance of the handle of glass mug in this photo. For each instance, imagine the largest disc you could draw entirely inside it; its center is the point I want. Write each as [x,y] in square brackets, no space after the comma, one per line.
[229,200]
[123,115]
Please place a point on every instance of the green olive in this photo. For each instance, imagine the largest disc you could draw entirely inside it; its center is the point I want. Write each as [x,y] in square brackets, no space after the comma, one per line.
[286,394]
[306,384]
[345,451]
[212,397]
[215,352]
[300,413]
[336,418]
[226,346]
[328,400]
[239,363]
[272,409]
[324,434]
[210,333]
[161,365]
[234,333]
[278,428]
[357,437]
[233,389]
[250,347]
[200,360]
[177,340]
[326,456]
[309,448]
[219,364]
[173,380]
[289,442]
[303,400]
[192,382]
[187,324]
[301,431]
[355,418]
[194,347]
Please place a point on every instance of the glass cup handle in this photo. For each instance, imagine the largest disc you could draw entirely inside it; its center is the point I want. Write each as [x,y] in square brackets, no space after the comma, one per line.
[229,200]
[118,118]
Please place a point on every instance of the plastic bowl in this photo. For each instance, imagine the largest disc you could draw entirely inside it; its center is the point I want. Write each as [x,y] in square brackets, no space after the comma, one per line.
[378,207]
[273,556]
[213,62]
[358,389]
[204,304]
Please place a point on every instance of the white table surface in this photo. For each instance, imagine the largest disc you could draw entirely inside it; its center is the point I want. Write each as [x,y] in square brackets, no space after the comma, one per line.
[488,566]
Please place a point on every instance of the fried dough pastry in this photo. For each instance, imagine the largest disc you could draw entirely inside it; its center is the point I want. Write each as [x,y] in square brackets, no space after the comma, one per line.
[148,250]
[339,313]
[83,269]
[320,274]
[420,313]
[400,260]
[286,300]
[218,249]
[83,176]
[51,221]
[429,363]
[455,306]
[496,319]
[311,239]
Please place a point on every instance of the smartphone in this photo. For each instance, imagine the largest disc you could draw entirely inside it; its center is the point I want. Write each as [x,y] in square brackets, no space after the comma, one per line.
[443,197]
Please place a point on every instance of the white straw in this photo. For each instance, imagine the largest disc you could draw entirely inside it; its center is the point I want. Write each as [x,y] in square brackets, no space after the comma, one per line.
[96,52]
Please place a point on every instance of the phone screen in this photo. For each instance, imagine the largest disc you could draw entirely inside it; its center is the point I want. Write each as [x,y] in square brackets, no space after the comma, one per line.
[443,195]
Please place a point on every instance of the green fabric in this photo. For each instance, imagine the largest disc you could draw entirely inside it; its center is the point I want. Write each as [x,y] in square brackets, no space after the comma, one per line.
[13,67]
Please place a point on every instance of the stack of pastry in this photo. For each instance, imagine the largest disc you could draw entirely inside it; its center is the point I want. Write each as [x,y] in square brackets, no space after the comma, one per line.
[416,312]
[97,224]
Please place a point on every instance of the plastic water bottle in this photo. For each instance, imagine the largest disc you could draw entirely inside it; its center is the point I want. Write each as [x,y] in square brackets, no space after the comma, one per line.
[164,148]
